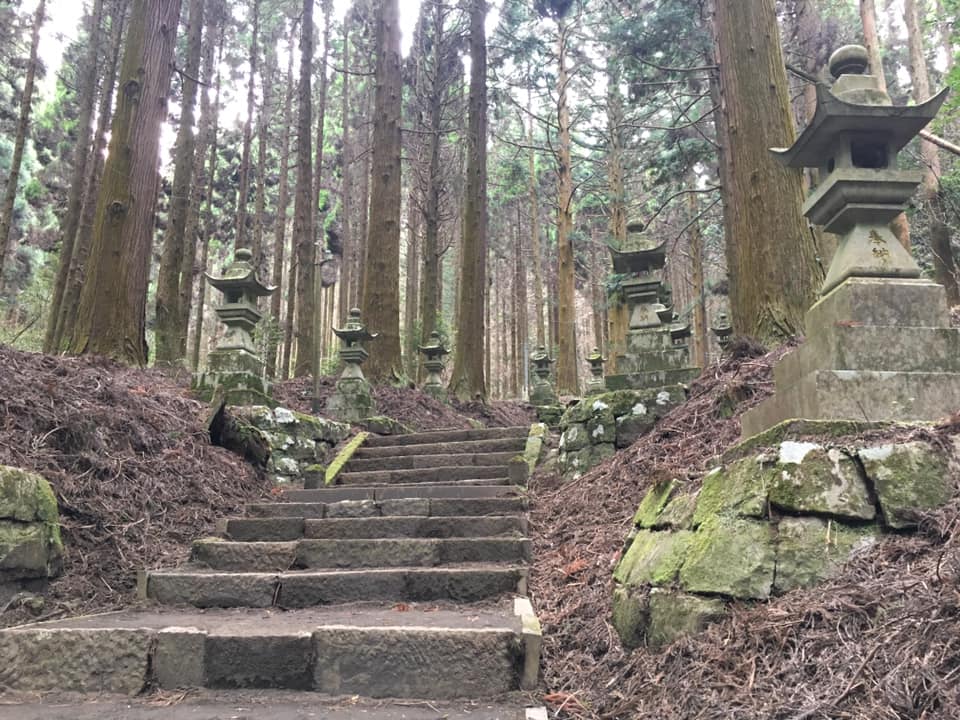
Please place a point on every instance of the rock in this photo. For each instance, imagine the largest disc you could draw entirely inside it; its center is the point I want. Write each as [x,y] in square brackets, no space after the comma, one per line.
[602,428]
[631,428]
[534,447]
[630,614]
[673,614]
[26,496]
[730,556]
[910,479]
[382,425]
[574,438]
[678,514]
[739,489]
[810,550]
[654,558]
[549,414]
[653,503]
[813,479]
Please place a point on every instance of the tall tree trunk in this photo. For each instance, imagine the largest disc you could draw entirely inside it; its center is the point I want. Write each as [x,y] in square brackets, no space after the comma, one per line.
[467,379]
[189,268]
[871,38]
[303,203]
[280,231]
[87,100]
[522,329]
[207,223]
[169,343]
[596,290]
[241,235]
[381,292]
[699,300]
[535,228]
[110,319]
[944,264]
[319,217]
[23,127]
[347,240]
[361,147]
[67,317]
[771,257]
[566,287]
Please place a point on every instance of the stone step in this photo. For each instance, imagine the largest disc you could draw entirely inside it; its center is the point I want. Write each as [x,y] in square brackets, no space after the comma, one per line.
[412,526]
[423,475]
[447,436]
[511,444]
[308,588]
[410,462]
[335,493]
[485,504]
[356,553]
[370,651]
[206,704]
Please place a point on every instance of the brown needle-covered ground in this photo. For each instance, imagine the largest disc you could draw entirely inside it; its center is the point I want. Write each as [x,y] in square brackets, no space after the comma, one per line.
[882,640]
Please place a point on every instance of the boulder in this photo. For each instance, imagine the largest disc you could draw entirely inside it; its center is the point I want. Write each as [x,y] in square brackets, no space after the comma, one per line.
[814,479]
[739,489]
[810,550]
[729,556]
[672,614]
[909,478]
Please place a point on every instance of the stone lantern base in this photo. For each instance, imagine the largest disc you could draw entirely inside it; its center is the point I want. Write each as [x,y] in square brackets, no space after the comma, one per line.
[878,349]
[351,401]
[239,373]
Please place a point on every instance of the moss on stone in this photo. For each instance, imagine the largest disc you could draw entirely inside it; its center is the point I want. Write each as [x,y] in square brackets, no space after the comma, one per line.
[654,558]
[630,615]
[910,479]
[812,479]
[810,550]
[797,429]
[678,513]
[653,503]
[674,614]
[26,496]
[730,556]
[346,452]
[739,489]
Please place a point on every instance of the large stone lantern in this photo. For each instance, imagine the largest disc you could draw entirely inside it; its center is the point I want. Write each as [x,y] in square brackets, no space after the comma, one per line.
[879,345]
[352,400]
[433,354]
[541,390]
[234,366]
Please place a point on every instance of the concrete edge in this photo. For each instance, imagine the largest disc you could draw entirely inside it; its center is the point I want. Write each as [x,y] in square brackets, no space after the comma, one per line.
[532,637]
[343,457]
[535,713]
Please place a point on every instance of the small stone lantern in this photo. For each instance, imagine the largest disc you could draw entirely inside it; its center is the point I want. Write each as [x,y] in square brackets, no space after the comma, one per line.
[433,355]
[542,392]
[854,138]
[596,384]
[352,400]
[680,332]
[722,331]
[234,366]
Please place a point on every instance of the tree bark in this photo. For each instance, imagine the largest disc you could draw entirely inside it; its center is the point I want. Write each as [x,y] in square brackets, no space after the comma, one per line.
[110,319]
[535,228]
[771,256]
[319,214]
[303,203]
[87,100]
[381,292]
[169,342]
[944,263]
[566,286]
[467,379]
[346,189]
[23,127]
[67,317]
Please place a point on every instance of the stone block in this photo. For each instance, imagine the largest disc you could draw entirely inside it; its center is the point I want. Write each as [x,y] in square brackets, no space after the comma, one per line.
[678,513]
[26,496]
[910,479]
[382,425]
[387,552]
[87,660]
[405,506]
[29,550]
[259,661]
[178,658]
[205,590]
[630,614]
[730,556]
[812,479]
[243,556]
[674,614]
[881,301]
[602,428]
[534,446]
[352,508]
[809,550]
[549,414]
[574,437]
[654,558]
[739,489]
[653,503]
[631,428]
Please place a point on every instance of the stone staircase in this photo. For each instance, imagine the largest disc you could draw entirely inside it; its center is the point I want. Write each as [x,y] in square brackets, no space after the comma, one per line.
[404,580]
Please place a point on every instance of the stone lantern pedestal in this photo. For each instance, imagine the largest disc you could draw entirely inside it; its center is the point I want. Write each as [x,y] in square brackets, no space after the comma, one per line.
[433,363]
[234,366]
[352,400]
[879,346]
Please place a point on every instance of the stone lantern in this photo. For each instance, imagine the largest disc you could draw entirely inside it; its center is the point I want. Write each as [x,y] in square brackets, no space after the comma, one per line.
[722,331]
[234,366]
[879,346]
[680,332]
[352,400]
[433,355]
[542,392]
[596,384]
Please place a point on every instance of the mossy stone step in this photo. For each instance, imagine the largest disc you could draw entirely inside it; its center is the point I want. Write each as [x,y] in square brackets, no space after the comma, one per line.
[410,462]
[515,445]
[444,436]
[424,475]
[436,507]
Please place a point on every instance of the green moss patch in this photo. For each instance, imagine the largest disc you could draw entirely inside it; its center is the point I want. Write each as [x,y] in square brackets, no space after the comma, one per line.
[346,452]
